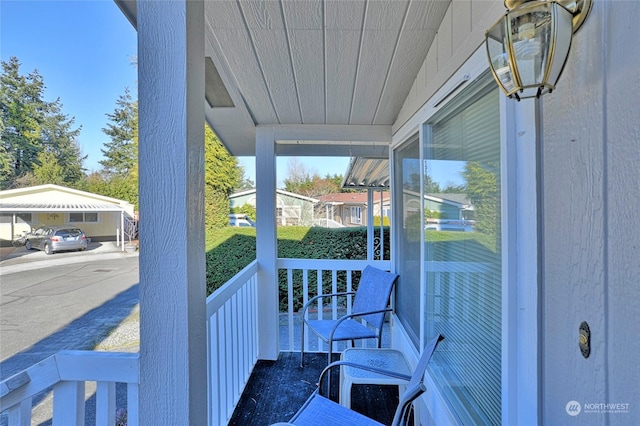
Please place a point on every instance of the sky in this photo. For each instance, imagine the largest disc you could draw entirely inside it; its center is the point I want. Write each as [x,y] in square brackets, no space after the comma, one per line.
[85,52]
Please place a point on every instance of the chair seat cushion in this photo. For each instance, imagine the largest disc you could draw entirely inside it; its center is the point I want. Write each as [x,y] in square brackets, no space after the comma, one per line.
[347,330]
[322,411]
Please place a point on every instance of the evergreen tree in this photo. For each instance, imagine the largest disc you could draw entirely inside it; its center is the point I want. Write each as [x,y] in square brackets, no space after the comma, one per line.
[49,170]
[59,140]
[121,153]
[29,125]
[118,177]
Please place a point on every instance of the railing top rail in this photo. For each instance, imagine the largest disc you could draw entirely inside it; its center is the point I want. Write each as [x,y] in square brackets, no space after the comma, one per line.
[216,299]
[331,264]
[438,266]
[122,367]
[72,366]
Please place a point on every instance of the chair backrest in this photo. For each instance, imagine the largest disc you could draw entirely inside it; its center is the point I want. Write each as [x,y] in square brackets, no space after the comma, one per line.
[416,386]
[374,290]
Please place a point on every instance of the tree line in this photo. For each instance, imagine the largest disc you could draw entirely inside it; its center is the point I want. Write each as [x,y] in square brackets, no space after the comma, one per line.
[39,145]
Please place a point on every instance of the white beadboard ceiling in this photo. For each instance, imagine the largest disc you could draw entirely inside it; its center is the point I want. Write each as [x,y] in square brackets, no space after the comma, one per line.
[313,62]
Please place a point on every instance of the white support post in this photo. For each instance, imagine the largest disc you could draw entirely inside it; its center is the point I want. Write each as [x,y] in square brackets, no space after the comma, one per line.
[173,386]
[122,228]
[266,244]
[381,224]
[370,228]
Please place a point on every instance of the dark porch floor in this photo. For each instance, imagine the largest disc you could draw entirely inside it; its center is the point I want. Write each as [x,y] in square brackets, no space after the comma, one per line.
[277,389]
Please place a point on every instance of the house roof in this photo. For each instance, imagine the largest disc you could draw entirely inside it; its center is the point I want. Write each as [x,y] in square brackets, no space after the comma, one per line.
[347,64]
[460,200]
[278,191]
[56,198]
[349,198]
[58,207]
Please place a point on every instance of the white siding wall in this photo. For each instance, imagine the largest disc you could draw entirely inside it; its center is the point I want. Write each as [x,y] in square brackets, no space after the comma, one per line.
[461,33]
[591,214]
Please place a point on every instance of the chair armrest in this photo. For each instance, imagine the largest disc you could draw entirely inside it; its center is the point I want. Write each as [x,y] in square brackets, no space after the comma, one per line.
[361,367]
[351,315]
[313,299]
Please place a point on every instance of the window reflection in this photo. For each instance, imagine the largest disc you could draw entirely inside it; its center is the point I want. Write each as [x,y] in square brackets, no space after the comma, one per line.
[463,258]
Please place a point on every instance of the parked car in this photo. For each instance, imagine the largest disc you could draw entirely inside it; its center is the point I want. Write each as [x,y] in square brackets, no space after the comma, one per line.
[51,239]
[236,219]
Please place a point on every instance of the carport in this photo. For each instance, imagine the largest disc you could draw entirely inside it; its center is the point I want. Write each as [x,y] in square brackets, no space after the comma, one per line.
[101,218]
[17,209]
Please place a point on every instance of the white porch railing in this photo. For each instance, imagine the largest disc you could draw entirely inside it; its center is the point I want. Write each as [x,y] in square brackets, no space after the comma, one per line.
[231,341]
[67,372]
[321,268]
[232,334]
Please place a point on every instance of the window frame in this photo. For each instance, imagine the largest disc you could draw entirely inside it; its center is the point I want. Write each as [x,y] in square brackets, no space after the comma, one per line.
[84,217]
[22,217]
[520,127]
[357,218]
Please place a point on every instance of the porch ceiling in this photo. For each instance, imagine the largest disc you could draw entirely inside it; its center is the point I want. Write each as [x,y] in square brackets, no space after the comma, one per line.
[312,62]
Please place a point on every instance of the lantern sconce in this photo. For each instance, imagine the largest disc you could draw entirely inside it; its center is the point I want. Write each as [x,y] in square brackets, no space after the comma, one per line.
[529,46]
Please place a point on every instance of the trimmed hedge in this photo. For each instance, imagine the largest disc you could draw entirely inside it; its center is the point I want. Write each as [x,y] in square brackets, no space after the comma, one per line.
[230,249]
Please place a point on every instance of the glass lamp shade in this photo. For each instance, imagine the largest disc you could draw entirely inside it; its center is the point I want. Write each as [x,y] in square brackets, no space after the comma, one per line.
[528,48]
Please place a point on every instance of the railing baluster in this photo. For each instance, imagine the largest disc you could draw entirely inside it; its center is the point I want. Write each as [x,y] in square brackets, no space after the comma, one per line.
[320,306]
[68,403]
[105,404]
[290,305]
[133,411]
[334,289]
[20,414]
[305,299]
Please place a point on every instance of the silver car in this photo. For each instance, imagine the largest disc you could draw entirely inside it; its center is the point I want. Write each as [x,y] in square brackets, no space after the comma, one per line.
[52,239]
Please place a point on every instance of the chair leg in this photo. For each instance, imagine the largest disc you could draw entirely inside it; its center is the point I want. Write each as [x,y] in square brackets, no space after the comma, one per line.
[302,346]
[329,362]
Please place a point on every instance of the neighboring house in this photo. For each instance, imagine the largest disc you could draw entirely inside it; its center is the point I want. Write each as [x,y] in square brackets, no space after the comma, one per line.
[291,209]
[100,217]
[351,208]
[449,206]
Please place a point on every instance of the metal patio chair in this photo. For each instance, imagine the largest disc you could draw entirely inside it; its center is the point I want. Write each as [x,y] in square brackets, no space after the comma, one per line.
[318,410]
[369,304]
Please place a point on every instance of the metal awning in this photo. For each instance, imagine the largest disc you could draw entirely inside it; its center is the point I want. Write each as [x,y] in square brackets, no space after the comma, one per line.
[367,173]
[58,207]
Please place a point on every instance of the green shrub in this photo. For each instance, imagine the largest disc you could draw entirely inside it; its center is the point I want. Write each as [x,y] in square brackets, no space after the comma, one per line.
[231,249]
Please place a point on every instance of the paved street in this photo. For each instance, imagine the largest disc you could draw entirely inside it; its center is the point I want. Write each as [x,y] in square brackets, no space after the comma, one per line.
[68,306]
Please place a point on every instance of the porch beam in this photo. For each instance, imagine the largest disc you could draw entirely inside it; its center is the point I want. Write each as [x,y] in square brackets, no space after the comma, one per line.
[266,244]
[331,132]
[173,387]
[370,141]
